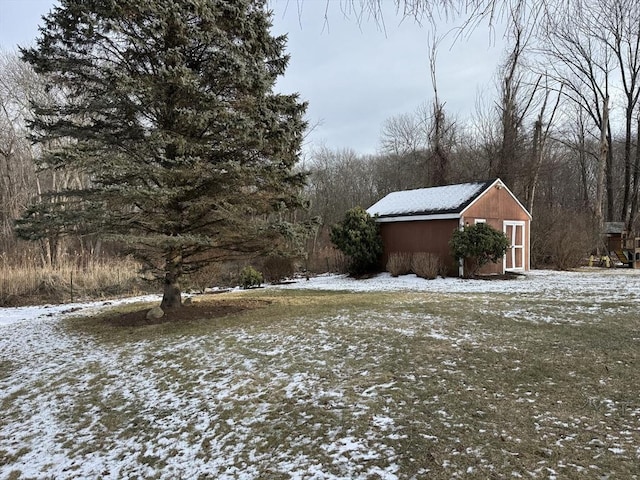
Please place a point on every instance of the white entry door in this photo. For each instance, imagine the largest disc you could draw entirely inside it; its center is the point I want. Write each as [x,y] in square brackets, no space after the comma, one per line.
[514,259]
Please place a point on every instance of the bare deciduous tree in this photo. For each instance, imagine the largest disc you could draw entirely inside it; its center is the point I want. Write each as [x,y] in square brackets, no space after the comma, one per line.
[402,135]
[518,94]
[441,130]
[17,170]
[618,23]
[584,66]
[541,130]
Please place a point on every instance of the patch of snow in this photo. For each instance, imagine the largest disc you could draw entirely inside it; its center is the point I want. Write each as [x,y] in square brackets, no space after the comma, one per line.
[12,315]
[426,200]
[601,285]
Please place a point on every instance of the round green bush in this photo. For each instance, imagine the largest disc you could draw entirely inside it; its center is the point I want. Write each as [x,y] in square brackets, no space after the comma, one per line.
[250,277]
[480,243]
[358,237]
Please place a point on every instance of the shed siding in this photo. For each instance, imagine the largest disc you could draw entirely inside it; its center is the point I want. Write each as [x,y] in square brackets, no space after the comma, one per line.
[496,205]
[420,236]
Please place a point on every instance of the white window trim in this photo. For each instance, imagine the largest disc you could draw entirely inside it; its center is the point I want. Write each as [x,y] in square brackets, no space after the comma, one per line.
[480,220]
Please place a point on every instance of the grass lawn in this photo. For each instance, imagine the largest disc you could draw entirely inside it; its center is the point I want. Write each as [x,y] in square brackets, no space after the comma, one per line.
[331,385]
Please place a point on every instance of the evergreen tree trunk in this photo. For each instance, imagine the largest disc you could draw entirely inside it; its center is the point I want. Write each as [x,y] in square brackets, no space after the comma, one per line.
[536,154]
[171,297]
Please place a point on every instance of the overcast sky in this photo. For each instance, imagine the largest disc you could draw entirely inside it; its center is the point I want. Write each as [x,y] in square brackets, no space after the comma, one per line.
[354,74]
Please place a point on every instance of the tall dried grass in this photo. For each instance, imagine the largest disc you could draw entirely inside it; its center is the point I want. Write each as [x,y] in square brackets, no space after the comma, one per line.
[327,259]
[26,281]
[399,263]
[423,264]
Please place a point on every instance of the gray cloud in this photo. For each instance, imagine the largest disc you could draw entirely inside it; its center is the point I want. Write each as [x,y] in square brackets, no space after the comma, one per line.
[354,75]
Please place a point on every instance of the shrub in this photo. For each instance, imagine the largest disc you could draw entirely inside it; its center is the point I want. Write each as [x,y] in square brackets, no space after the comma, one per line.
[562,239]
[425,265]
[358,237]
[204,278]
[278,267]
[399,263]
[480,243]
[250,277]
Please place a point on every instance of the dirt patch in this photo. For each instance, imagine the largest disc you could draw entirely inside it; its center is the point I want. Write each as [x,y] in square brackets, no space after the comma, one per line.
[504,276]
[187,313]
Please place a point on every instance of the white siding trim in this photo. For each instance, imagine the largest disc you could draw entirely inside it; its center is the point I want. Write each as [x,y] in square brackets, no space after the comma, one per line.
[527,265]
[461,260]
[417,218]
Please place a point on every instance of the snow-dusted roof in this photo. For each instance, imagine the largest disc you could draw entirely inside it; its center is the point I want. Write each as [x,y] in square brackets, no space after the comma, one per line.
[449,199]
[613,228]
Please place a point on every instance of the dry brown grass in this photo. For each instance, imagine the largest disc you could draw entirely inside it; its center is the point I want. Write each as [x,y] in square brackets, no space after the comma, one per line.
[425,265]
[26,281]
[327,259]
[399,263]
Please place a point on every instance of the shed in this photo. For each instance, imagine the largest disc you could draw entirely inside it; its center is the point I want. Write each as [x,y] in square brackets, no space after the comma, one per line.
[622,244]
[423,220]
[615,234]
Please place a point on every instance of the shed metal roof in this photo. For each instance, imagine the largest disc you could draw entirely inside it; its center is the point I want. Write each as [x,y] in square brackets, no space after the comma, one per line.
[448,199]
[613,228]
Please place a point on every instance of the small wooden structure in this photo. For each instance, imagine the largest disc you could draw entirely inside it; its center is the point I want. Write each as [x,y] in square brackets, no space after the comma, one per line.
[622,245]
[423,220]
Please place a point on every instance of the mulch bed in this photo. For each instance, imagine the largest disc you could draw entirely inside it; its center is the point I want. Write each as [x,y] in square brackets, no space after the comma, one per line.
[187,313]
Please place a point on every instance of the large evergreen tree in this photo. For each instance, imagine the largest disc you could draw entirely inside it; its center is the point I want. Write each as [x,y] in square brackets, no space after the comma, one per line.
[169,109]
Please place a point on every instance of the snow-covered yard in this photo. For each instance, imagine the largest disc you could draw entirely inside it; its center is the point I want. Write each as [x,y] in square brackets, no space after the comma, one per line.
[400,378]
